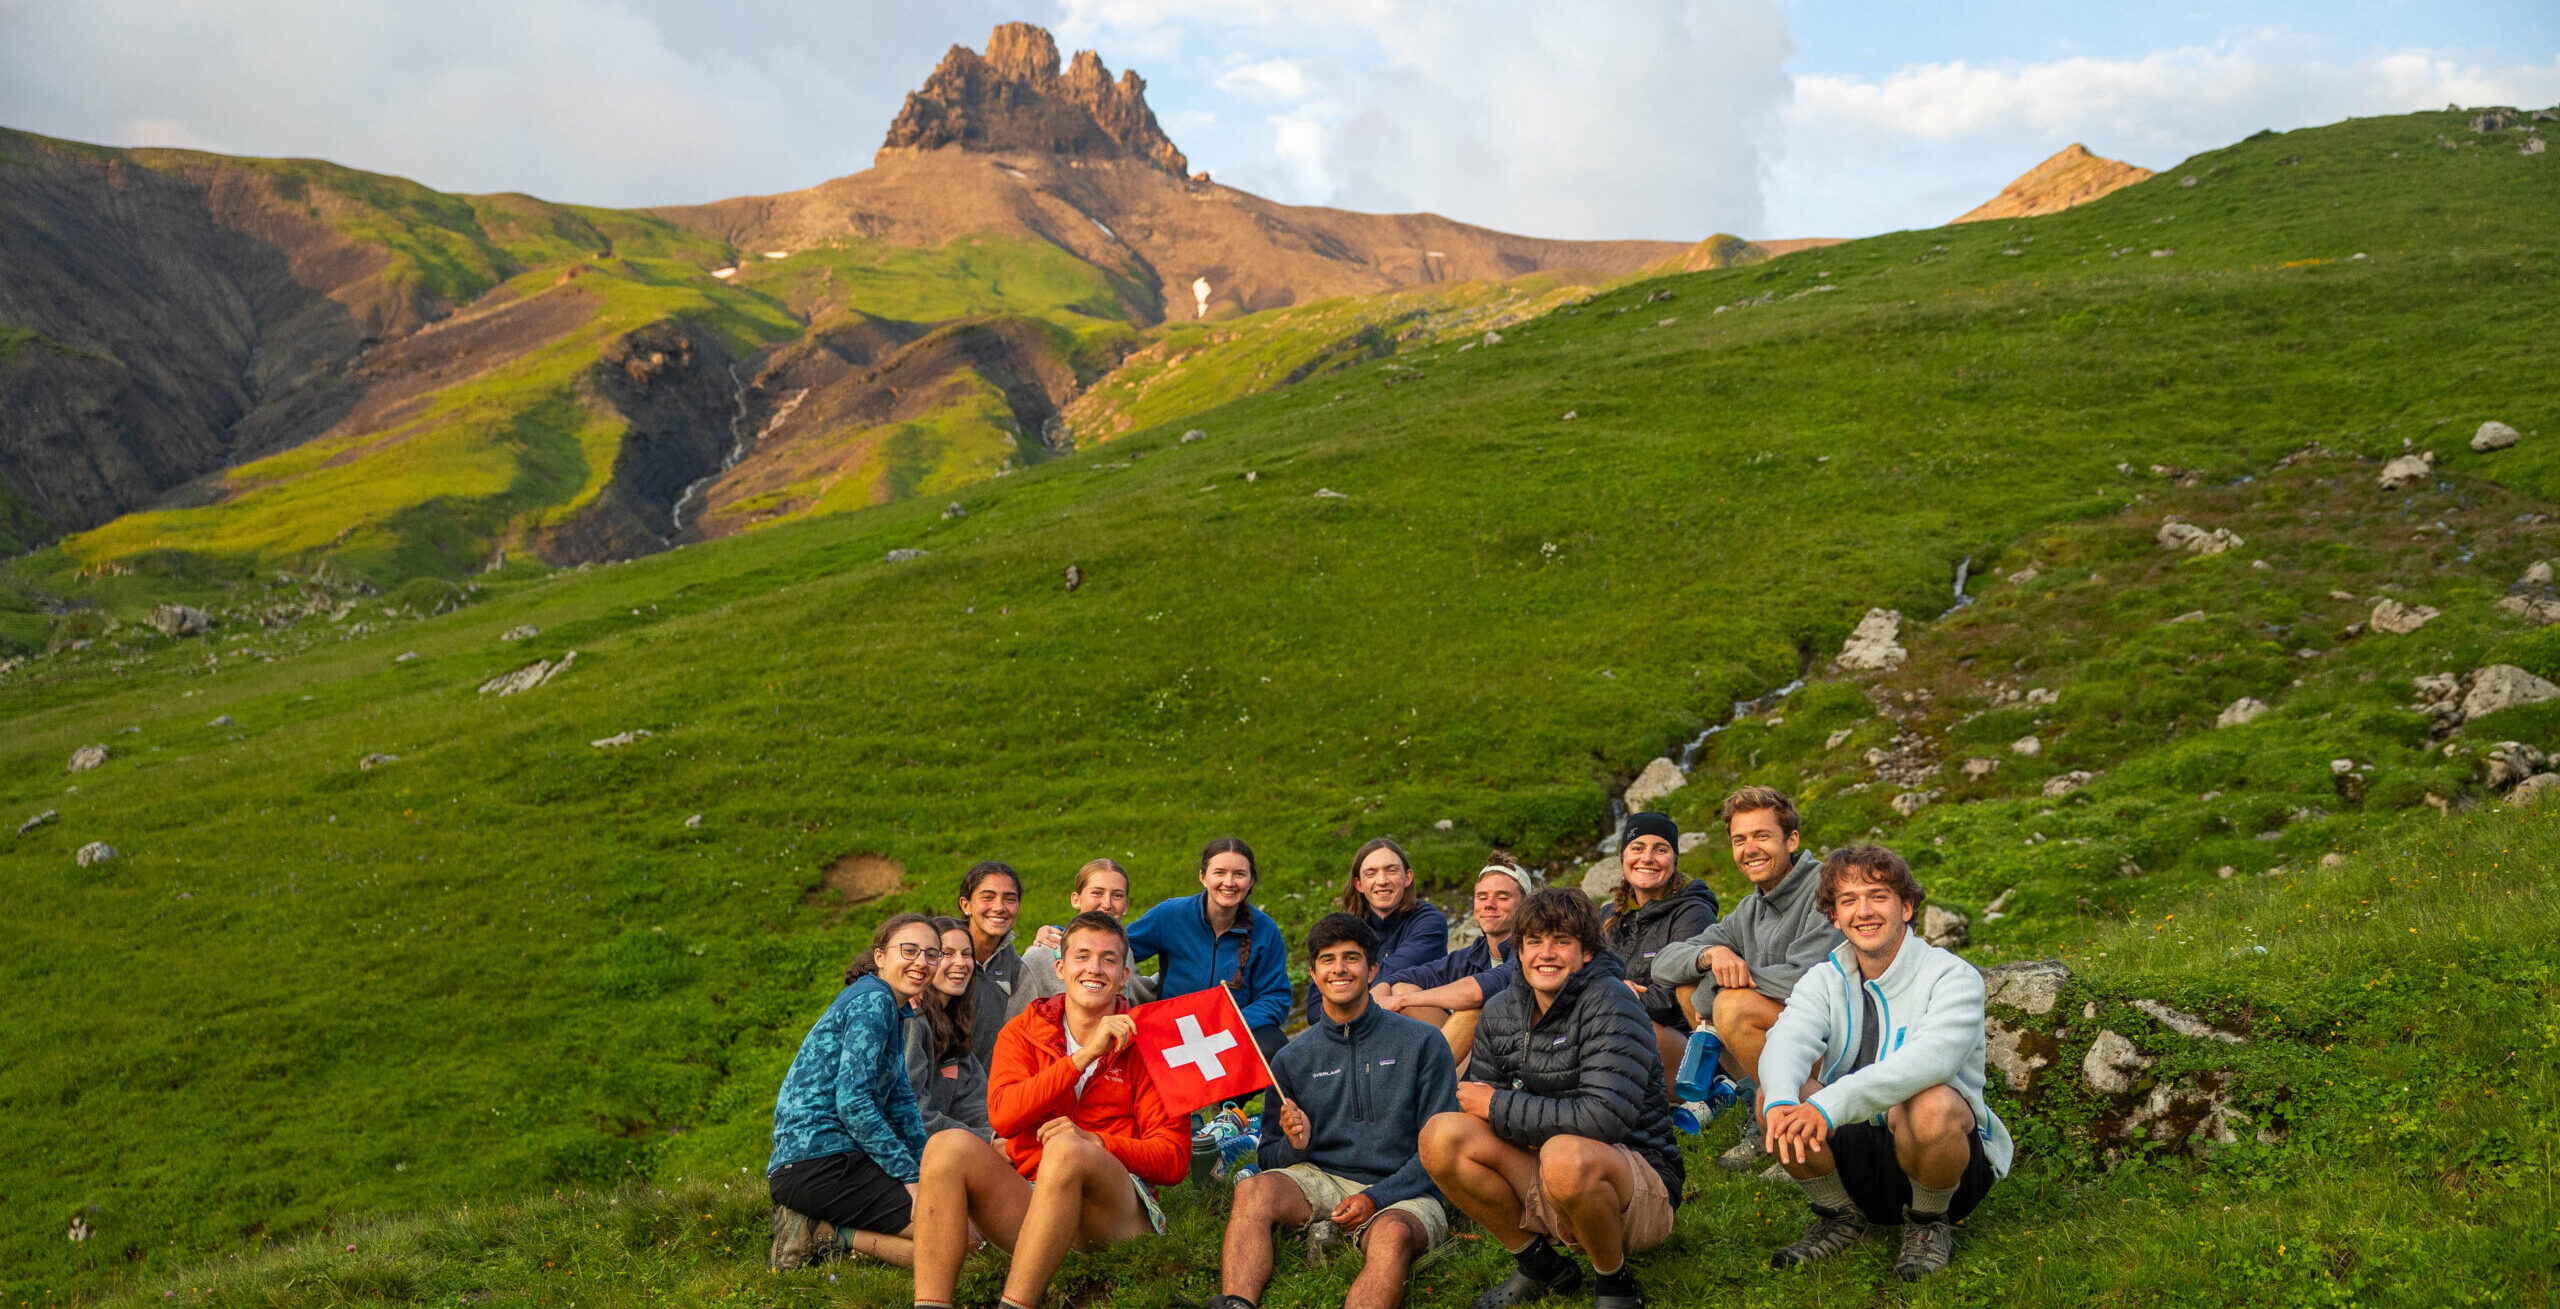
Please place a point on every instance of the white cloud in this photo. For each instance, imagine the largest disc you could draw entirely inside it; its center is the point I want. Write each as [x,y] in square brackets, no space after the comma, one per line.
[1278,81]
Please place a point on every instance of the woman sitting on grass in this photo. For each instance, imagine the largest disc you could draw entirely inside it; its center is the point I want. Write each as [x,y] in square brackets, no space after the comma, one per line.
[1218,936]
[847,1138]
[1654,907]
[951,1085]
[1079,1117]
[1411,930]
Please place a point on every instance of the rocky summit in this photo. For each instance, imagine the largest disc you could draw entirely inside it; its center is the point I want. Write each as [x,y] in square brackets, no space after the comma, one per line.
[1014,98]
[2073,176]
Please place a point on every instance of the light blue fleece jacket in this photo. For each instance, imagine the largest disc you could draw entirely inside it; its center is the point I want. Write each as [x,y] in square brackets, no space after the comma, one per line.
[1929,1004]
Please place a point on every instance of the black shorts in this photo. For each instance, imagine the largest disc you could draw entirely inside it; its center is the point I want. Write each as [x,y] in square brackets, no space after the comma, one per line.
[847,1190]
[1873,1176]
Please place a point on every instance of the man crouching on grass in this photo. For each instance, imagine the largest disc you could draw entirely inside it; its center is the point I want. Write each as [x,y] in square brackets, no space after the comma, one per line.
[1563,1129]
[1078,1115]
[1354,1092]
[1885,1040]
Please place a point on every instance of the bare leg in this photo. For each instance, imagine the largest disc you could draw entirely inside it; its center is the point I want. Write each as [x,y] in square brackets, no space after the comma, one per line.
[1672,1045]
[1387,1252]
[1083,1198]
[1262,1200]
[1460,1031]
[1929,1137]
[1743,1019]
[1588,1187]
[899,1249]
[1431,1014]
[966,1182]
[1688,998]
[1480,1173]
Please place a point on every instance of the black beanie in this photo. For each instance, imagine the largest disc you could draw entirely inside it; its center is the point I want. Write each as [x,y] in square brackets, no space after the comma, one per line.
[1650,823]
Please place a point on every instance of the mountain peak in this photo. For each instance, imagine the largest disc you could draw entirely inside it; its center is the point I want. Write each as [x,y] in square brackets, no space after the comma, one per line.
[1014,98]
[2072,176]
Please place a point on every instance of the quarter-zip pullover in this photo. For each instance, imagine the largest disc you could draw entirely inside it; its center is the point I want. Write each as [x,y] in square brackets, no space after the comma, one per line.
[1367,1087]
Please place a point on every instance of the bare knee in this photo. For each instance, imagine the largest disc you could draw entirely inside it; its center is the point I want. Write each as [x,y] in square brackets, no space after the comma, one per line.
[1070,1159]
[1261,1197]
[1937,1114]
[1444,1136]
[951,1146]
[1739,1009]
[1570,1165]
[1393,1235]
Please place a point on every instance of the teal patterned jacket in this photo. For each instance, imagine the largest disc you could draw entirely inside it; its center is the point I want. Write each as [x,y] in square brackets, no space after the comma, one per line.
[848,1090]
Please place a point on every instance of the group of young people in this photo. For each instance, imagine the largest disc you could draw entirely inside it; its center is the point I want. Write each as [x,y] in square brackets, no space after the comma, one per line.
[1538,1079]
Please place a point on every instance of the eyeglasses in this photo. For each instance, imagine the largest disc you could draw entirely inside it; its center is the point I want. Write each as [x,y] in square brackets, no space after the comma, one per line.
[911,952]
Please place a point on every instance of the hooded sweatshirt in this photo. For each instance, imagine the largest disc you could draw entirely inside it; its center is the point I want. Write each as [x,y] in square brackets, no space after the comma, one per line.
[1178,932]
[1778,932]
[1033,1081]
[949,1092]
[1407,939]
[994,981]
[1367,1087]
[1640,935]
[847,1091]
[1929,1033]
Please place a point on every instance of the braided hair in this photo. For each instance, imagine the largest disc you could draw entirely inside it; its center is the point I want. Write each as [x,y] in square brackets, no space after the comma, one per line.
[1236,845]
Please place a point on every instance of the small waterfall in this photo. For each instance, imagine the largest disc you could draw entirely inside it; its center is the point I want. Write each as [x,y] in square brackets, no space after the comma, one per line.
[739,441]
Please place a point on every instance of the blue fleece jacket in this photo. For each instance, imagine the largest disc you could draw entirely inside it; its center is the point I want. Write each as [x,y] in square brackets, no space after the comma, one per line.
[1405,940]
[1367,1087]
[848,1090]
[1177,932]
[1477,960]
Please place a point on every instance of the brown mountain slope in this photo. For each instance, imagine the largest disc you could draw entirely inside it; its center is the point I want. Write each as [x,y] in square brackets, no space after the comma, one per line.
[2073,176]
[1007,144]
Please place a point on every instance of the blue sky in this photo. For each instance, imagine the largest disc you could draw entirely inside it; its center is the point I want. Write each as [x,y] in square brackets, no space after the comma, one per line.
[1660,118]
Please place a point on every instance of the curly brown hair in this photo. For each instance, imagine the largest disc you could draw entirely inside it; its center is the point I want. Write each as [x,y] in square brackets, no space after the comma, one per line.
[1558,911]
[1872,864]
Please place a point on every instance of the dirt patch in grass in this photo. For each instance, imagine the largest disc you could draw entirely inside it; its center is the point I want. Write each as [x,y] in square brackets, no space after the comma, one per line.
[855,879]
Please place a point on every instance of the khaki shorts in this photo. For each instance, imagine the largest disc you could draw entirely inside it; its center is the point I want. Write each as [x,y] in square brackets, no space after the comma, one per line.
[1646,1223]
[1325,1192]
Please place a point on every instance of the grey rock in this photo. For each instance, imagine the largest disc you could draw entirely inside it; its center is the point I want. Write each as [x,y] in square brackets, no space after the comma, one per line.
[38,821]
[1912,802]
[374,761]
[2031,986]
[2062,784]
[222,721]
[94,854]
[1328,493]
[2006,1048]
[623,738]
[2510,762]
[1875,643]
[1943,927]
[522,632]
[538,673]
[2396,619]
[1445,825]
[903,555]
[1601,882]
[1659,778]
[2187,1024]
[1195,434]
[954,510]
[86,758]
[2539,610]
[693,822]
[2494,120]
[2409,470]
[2175,535]
[2027,745]
[2531,790]
[1464,932]
[1977,769]
[1074,576]
[2504,686]
[2240,711]
[2538,575]
[176,621]
[2113,1066]
[2494,435]
[2533,145]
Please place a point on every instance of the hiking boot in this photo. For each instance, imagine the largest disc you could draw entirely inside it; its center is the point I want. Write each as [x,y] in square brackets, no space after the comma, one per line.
[1830,1234]
[1520,1288]
[1746,1154]
[798,1240]
[1927,1245]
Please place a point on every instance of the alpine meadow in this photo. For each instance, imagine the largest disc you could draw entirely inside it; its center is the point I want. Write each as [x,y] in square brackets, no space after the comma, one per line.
[412,982]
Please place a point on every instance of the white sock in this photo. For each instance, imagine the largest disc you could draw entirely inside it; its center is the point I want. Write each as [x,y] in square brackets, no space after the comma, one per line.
[1931,1201]
[1826,1192]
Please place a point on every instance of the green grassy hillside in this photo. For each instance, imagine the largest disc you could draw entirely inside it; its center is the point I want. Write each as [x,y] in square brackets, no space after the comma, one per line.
[504,965]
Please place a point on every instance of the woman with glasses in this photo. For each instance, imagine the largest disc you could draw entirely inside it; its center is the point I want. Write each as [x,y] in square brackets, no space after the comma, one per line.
[1379,891]
[847,1137]
[1218,936]
[951,1085]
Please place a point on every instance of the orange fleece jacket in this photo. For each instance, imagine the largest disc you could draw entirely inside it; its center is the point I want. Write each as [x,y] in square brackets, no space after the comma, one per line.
[1033,1081]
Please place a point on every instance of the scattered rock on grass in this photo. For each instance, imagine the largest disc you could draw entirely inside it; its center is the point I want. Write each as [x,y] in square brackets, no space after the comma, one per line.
[2026,745]
[1943,927]
[2409,470]
[2031,986]
[2396,619]
[902,555]
[1659,778]
[694,821]
[2063,784]
[2510,762]
[374,761]
[2538,575]
[1073,577]
[94,854]
[1874,645]
[2494,435]
[222,721]
[1602,881]
[1195,434]
[1835,740]
[1912,802]
[2504,686]
[2240,711]
[954,510]
[2186,1024]
[2539,610]
[1445,825]
[1328,493]
[1466,931]
[38,821]
[521,632]
[623,738]
[2113,1066]
[530,676]
[1977,769]
[2532,789]
[86,758]
[175,621]
[2175,535]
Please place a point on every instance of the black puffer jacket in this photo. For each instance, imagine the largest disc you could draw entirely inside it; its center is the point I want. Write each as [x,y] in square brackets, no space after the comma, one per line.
[1587,1068]
[1638,936]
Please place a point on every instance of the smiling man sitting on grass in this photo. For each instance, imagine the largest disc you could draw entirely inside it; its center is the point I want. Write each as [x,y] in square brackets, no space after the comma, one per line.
[1881,1052]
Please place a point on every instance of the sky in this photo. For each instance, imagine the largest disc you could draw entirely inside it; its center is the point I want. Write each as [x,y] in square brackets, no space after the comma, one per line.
[1670,119]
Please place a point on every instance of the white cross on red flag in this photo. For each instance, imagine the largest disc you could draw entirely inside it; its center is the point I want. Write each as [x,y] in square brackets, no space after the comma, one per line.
[1199,1050]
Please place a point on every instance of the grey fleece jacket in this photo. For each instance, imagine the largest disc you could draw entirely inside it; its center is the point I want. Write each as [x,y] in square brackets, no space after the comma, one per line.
[1367,1087]
[1777,932]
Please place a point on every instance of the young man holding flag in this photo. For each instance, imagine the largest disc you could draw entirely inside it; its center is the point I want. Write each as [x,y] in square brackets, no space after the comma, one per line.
[1079,1115]
[1354,1092]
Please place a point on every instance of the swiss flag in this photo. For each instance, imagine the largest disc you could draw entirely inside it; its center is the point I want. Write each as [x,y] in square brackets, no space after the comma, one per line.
[1199,1050]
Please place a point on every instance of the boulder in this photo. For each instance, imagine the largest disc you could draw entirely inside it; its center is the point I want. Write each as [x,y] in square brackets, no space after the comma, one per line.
[1874,645]
[175,621]
[1912,802]
[2396,619]
[1464,932]
[955,509]
[1448,825]
[2240,711]
[1977,769]
[1943,927]
[38,821]
[2113,1066]
[2019,1055]
[1195,434]
[2041,695]
[903,555]
[2538,575]
[2062,784]
[538,673]
[2504,686]
[86,758]
[2186,1024]
[2532,789]
[1073,577]
[2026,745]
[2175,535]
[374,761]
[521,632]
[2510,762]
[2409,470]
[2494,435]
[2030,987]
[1693,840]
[2539,610]
[1659,778]
[221,721]
[94,854]
[623,738]
[1602,881]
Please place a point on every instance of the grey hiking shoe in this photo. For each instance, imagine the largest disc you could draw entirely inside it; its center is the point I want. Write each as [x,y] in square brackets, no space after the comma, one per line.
[1520,1288]
[798,1240]
[1746,1153]
[1829,1235]
[1926,1247]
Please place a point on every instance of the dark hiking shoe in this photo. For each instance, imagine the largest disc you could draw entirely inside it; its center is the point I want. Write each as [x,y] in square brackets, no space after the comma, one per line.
[1520,1288]
[1829,1235]
[1927,1245]
[1746,1154]
[1616,1290]
[798,1240]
